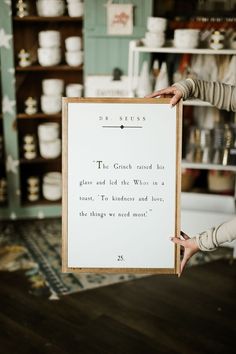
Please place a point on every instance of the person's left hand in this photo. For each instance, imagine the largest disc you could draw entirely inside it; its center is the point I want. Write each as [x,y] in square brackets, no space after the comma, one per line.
[190,248]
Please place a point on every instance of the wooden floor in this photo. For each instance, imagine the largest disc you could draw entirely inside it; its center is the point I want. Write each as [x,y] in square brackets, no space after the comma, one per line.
[156,314]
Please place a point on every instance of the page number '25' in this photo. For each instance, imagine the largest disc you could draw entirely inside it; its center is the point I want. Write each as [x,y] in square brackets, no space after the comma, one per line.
[120,258]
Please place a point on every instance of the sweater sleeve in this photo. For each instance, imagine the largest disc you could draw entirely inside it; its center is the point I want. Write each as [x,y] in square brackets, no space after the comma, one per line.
[211,239]
[221,95]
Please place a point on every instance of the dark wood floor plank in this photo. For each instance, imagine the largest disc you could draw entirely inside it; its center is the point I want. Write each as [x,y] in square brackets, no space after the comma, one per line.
[152,315]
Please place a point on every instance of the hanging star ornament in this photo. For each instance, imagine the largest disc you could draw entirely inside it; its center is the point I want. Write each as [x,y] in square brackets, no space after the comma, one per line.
[5,39]
[12,164]
[7,105]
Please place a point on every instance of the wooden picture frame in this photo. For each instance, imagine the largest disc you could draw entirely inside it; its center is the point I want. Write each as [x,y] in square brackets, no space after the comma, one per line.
[119,127]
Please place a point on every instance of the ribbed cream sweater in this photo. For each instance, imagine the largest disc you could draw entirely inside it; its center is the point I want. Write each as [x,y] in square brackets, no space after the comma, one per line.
[222,96]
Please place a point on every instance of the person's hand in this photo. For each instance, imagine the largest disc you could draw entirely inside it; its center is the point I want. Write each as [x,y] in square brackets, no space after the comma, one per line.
[190,248]
[172,91]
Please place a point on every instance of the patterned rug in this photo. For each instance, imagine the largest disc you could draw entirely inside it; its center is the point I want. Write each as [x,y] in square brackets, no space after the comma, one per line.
[35,246]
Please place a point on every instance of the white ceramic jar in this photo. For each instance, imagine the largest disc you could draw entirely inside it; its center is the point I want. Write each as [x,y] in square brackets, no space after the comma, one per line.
[154,40]
[50,149]
[48,8]
[48,131]
[156,24]
[51,104]
[49,56]
[74,90]
[53,87]
[74,58]
[52,186]
[75,9]
[186,38]
[52,177]
[49,39]
[73,43]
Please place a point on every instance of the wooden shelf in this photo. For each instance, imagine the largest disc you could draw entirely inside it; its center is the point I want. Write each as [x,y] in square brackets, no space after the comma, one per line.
[41,202]
[174,50]
[47,19]
[38,67]
[38,116]
[39,160]
[202,24]
[207,166]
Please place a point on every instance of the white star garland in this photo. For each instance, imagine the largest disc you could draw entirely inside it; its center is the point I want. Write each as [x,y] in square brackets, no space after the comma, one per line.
[7,105]
[11,165]
[5,39]
[8,2]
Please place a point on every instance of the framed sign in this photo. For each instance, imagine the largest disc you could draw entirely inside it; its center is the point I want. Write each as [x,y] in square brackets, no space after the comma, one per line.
[119,19]
[121,185]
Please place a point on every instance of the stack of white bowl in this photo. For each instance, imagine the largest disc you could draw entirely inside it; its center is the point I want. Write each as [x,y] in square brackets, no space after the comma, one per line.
[49,51]
[52,186]
[50,8]
[74,54]
[49,142]
[75,8]
[186,38]
[52,94]
[155,37]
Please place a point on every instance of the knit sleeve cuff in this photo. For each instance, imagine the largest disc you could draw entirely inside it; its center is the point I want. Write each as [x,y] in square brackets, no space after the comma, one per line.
[204,242]
[186,87]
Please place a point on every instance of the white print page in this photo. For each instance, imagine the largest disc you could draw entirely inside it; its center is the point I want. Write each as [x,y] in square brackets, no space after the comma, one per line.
[121,185]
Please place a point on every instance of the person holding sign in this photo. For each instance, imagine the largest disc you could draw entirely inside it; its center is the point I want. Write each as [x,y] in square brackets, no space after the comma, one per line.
[222,96]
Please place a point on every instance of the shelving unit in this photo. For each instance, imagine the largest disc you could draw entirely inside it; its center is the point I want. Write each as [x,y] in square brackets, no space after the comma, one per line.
[17,87]
[204,209]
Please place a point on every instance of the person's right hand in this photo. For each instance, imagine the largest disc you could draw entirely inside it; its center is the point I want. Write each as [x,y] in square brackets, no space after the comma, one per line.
[190,248]
[171,90]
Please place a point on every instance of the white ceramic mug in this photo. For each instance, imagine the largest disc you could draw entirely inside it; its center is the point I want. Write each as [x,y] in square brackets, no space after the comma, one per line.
[52,192]
[49,39]
[49,56]
[74,58]
[50,149]
[53,87]
[49,8]
[75,9]
[186,38]
[74,90]
[73,43]
[154,39]
[156,24]
[52,182]
[52,178]
[51,104]
[48,131]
